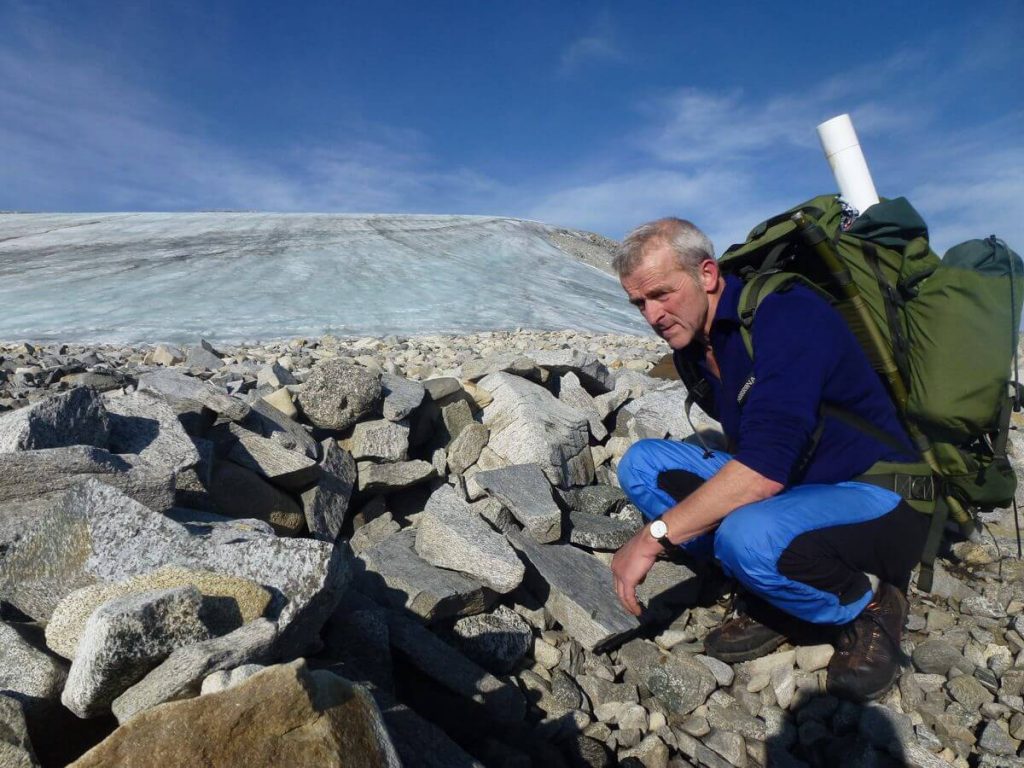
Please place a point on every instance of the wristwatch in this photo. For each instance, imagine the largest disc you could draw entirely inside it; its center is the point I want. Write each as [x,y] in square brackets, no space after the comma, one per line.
[659,532]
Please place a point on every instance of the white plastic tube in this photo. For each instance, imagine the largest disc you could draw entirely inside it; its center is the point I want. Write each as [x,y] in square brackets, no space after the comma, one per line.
[839,142]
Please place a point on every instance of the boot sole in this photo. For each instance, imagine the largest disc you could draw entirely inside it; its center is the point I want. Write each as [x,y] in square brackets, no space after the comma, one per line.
[734,657]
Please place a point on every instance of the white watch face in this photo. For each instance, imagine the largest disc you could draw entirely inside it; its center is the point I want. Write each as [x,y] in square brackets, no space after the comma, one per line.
[659,529]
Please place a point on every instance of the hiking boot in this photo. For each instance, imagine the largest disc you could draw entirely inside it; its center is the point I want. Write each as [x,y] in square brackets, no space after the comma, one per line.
[868,655]
[756,629]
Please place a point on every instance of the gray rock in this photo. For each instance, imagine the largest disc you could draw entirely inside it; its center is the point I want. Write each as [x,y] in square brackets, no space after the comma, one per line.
[124,639]
[601,691]
[703,755]
[29,675]
[441,387]
[401,396]
[811,658]
[511,362]
[266,420]
[729,745]
[497,641]
[585,365]
[388,478]
[969,692]
[524,490]
[326,504]
[978,605]
[996,740]
[598,532]
[15,745]
[98,533]
[886,730]
[456,416]
[465,449]
[530,426]
[678,680]
[452,535]
[421,744]
[381,440]
[73,418]
[29,475]
[239,492]
[395,575]
[581,595]
[373,532]
[936,656]
[282,466]
[143,424]
[181,674]
[572,393]
[669,586]
[185,393]
[595,499]
[734,719]
[336,395]
[167,354]
[216,682]
[358,642]
[203,355]
[453,671]
[723,672]
[275,376]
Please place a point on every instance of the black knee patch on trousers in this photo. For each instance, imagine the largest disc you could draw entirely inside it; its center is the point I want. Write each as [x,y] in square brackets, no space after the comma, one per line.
[679,483]
[836,559]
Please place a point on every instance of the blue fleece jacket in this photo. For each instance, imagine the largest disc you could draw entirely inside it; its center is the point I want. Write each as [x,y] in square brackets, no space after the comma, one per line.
[804,355]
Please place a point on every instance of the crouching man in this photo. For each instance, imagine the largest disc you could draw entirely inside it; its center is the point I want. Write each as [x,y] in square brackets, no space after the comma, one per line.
[783,513]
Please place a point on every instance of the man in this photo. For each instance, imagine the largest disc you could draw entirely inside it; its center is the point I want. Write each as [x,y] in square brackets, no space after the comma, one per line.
[808,546]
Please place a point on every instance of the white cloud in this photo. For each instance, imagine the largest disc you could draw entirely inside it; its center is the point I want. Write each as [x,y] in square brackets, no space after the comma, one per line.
[598,45]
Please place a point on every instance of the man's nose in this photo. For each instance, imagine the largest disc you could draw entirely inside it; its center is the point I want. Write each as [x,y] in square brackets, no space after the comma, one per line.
[652,313]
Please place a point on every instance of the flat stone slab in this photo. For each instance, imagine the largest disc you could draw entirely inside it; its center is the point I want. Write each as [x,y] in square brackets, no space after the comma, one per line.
[401,396]
[35,473]
[326,504]
[97,533]
[187,392]
[124,639]
[282,466]
[524,489]
[395,575]
[530,426]
[450,669]
[582,595]
[452,535]
[387,478]
[72,418]
[181,674]
[144,424]
[599,532]
[380,440]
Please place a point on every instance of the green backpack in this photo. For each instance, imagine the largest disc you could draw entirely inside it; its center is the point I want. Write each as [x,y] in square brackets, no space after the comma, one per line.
[941,333]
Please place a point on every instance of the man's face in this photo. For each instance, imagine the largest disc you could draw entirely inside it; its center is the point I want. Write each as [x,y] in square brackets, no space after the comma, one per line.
[668,297]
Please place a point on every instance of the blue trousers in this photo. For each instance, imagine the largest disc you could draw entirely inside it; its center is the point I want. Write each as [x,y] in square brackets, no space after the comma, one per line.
[807,550]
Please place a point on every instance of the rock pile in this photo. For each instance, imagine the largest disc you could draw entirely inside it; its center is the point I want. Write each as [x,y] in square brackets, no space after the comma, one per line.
[395,552]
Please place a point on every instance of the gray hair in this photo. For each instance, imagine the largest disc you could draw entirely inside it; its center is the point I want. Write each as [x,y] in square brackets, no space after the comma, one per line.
[688,243]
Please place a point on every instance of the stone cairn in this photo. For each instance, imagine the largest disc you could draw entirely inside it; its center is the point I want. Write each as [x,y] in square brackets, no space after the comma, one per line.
[395,551]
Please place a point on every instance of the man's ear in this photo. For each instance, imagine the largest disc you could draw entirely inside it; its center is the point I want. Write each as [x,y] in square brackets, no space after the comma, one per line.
[709,275]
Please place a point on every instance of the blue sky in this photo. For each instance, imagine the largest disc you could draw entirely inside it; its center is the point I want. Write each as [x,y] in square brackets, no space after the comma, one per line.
[583,114]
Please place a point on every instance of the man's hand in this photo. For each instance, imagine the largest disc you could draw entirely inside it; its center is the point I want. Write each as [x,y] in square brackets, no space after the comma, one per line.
[631,565]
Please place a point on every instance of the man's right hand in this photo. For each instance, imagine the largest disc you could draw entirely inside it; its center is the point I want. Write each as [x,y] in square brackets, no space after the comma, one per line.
[630,567]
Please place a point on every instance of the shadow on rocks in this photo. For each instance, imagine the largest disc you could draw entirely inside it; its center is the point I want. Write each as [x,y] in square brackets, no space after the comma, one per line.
[824,732]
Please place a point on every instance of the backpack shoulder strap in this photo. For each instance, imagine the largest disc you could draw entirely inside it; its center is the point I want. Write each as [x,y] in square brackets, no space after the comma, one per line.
[757,289]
